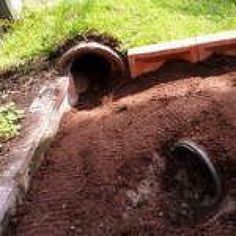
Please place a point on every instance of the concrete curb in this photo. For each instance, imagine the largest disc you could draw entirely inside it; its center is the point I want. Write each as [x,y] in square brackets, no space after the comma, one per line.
[43,118]
[152,57]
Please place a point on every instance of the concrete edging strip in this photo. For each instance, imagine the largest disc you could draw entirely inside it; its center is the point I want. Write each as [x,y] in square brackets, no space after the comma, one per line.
[43,118]
[152,57]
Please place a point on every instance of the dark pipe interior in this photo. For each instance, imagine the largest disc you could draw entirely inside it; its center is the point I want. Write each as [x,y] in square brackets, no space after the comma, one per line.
[193,181]
[201,171]
[93,69]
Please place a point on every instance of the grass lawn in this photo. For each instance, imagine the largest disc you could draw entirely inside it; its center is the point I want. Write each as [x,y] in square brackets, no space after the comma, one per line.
[132,22]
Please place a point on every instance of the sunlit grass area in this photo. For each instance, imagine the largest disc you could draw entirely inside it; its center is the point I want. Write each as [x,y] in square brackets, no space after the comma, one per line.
[132,22]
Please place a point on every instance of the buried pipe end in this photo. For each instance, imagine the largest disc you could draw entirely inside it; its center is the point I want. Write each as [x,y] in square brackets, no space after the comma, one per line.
[196,180]
[91,48]
[198,157]
[91,61]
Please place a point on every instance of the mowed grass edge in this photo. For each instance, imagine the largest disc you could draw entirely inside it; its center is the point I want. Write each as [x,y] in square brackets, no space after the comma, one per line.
[133,23]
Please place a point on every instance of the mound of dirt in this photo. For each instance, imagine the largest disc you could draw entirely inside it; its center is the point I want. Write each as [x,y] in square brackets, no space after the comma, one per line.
[103,174]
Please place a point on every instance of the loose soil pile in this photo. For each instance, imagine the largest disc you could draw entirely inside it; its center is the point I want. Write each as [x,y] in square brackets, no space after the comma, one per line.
[104,174]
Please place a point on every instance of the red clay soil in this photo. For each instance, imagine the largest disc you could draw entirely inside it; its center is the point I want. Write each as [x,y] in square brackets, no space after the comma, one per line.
[103,174]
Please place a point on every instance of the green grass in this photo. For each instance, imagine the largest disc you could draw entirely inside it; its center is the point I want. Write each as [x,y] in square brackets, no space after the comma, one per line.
[9,122]
[133,22]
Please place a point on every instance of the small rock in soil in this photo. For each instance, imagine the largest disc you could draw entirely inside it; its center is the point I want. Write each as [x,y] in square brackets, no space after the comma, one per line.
[120,108]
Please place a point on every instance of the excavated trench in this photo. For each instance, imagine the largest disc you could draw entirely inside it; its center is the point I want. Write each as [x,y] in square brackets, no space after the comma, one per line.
[151,156]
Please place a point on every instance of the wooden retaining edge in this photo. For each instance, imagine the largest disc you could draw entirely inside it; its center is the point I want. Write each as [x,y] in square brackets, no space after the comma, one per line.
[43,120]
[152,57]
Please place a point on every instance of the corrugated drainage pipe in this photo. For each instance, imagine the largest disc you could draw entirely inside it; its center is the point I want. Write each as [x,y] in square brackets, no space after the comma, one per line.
[193,158]
[91,63]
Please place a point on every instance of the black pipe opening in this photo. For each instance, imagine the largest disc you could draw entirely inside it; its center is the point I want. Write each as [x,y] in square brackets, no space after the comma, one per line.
[91,72]
[193,182]
[93,69]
